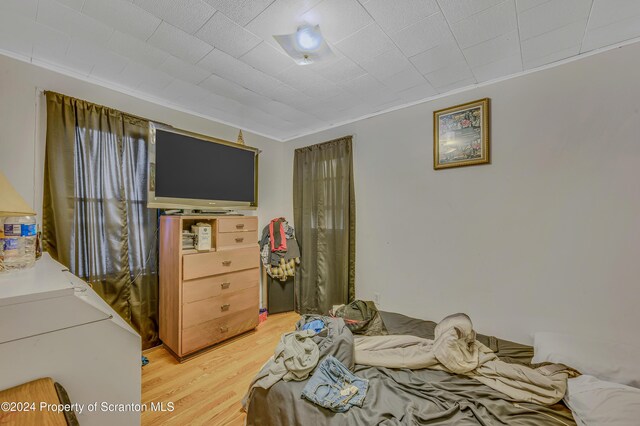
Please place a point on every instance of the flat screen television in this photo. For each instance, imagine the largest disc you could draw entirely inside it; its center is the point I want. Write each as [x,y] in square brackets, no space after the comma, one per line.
[190,171]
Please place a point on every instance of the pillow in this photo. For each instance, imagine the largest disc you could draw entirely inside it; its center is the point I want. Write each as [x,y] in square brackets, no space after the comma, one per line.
[613,362]
[596,402]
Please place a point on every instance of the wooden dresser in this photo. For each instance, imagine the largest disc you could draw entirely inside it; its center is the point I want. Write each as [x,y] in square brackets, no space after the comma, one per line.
[208,297]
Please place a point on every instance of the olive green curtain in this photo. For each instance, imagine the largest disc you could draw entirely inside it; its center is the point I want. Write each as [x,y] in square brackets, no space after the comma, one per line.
[325,222]
[95,218]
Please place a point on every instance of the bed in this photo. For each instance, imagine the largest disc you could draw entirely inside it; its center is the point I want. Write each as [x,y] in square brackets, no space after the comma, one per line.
[411,397]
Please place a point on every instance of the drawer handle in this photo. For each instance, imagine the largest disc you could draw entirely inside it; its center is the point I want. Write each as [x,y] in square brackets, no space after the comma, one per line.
[226,263]
[225,307]
[240,225]
[224,329]
[239,239]
[225,285]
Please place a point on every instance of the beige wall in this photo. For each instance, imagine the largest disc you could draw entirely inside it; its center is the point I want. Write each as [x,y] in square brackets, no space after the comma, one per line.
[23,121]
[545,238]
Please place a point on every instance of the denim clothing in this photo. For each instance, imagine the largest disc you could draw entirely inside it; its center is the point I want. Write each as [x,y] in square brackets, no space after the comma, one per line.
[315,325]
[295,357]
[334,387]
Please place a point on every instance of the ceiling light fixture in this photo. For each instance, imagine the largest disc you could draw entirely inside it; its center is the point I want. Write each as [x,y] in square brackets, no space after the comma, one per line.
[306,45]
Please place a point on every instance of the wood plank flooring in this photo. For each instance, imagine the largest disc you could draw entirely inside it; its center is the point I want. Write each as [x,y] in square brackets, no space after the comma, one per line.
[207,389]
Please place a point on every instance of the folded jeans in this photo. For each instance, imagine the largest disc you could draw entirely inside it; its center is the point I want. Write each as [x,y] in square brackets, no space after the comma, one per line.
[334,387]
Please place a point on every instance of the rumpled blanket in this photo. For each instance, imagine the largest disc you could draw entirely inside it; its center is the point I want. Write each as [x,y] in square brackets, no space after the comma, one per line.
[295,358]
[456,350]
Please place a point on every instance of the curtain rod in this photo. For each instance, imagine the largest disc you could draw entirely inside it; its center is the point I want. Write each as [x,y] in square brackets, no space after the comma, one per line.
[104,106]
[321,144]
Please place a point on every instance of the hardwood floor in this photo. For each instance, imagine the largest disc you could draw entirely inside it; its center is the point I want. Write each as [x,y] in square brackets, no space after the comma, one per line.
[207,389]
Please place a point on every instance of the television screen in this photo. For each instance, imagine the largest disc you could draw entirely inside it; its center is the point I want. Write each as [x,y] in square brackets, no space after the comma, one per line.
[196,169]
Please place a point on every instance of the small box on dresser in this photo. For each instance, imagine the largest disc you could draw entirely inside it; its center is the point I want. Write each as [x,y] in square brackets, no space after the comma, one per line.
[208,297]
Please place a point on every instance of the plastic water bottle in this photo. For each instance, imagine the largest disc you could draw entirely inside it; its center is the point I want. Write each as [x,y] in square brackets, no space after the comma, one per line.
[19,242]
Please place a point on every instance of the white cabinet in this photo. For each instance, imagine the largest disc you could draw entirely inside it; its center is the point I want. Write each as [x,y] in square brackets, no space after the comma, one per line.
[52,324]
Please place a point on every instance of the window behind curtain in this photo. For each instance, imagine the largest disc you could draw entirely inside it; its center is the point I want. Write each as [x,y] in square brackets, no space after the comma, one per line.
[95,217]
[324,215]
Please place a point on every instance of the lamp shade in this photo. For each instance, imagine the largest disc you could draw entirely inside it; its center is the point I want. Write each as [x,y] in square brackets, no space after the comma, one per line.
[11,203]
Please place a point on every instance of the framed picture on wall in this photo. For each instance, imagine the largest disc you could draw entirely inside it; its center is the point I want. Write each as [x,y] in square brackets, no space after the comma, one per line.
[461,135]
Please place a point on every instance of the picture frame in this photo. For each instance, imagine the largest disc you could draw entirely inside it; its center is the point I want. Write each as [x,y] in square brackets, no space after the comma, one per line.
[461,135]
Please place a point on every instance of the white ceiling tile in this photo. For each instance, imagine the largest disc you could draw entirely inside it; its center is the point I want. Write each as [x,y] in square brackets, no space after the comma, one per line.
[134,74]
[49,44]
[224,87]
[240,11]
[338,18]
[405,79]
[370,90]
[281,17]
[290,114]
[437,57]
[467,82]
[611,34]
[417,93]
[503,46]
[553,41]
[556,55]
[386,64]
[155,82]
[552,15]
[457,10]
[267,59]
[180,44]
[290,96]
[224,34]
[607,12]
[182,70]
[485,25]
[338,70]
[72,22]
[395,15]
[522,5]
[135,49]
[451,74]
[106,63]
[25,8]
[218,102]
[366,43]
[237,71]
[340,102]
[423,35]
[506,66]
[74,4]
[15,34]
[124,16]
[188,15]
[308,82]
[178,91]
[77,66]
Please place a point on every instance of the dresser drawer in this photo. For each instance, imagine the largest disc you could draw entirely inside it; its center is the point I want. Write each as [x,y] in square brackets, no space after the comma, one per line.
[220,306]
[222,262]
[216,285]
[210,332]
[233,240]
[235,224]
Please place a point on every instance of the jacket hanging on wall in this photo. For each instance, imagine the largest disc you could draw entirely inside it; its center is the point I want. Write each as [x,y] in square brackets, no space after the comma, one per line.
[279,249]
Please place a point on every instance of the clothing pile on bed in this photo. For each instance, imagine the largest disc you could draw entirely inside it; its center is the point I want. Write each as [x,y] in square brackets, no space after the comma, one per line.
[361,317]
[324,346]
[279,249]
